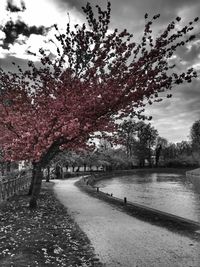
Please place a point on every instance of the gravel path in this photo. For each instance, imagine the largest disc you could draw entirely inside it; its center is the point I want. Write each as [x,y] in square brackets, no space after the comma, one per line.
[122,240]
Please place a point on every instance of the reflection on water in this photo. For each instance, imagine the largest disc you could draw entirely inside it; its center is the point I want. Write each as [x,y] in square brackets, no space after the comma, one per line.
[169,192]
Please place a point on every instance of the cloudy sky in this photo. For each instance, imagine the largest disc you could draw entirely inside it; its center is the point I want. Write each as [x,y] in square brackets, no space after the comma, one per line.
[27,25]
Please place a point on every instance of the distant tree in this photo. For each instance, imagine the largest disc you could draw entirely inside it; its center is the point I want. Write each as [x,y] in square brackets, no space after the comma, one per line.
[195,135]
[184,148]
[161,144]
[145,141]
[195,139]
[179,154]
[89,158]
[69,158]
[105,144]
[127,134]
[114,158]
[138,139]
[169,152]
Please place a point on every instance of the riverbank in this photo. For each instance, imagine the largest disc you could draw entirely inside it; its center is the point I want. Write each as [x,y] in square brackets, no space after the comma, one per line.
[98,176]
[142,212]
[47,236]
[123,240]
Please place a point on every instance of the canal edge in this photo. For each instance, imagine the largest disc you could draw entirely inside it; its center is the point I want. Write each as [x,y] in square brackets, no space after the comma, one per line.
[144,213]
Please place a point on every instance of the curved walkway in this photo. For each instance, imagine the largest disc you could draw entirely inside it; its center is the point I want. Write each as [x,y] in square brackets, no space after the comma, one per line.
[122,240]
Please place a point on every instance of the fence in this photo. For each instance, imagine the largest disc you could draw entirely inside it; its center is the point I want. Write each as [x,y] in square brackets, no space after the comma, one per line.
[11,187]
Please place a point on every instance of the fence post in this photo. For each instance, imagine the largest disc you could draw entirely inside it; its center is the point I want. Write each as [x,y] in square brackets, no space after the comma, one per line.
[0,191]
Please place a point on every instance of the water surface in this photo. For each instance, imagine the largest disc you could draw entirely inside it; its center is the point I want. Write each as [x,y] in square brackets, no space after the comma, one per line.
[169,192]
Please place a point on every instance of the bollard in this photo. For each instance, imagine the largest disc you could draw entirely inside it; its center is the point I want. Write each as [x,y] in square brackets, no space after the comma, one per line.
[125,200]
[97,189]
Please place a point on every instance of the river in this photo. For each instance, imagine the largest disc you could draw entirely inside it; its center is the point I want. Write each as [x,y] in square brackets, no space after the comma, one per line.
[169,192]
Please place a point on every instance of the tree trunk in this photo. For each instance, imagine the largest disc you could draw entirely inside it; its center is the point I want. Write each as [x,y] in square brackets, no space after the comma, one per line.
[32,181]
[2,168]
[8,167]
[36,186]
[85,167]
[31,186]
[150,161]
[78,168]
[142,163]
[158,151]
[38,175]
[48,174]
[58,172]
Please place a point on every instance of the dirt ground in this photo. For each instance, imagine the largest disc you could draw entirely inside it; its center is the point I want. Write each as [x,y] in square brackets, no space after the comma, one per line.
[47,236]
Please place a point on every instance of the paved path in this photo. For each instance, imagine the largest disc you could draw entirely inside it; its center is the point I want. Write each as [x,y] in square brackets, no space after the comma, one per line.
[122,240]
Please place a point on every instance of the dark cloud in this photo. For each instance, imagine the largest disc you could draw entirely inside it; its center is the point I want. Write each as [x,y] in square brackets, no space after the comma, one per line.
[7,63]
[191,96]
[141,6]
[13,8]
[174,117]
[130,13]
[12,30]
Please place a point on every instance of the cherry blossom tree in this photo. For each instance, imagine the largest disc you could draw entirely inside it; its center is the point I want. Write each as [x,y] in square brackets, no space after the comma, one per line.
[98,75]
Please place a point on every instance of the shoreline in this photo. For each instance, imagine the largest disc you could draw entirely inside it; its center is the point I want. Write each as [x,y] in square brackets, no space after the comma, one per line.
[144,213]
[98,176]
[120,239]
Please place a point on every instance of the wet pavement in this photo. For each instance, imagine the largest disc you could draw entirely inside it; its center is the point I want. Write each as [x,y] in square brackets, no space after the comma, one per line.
[122,240]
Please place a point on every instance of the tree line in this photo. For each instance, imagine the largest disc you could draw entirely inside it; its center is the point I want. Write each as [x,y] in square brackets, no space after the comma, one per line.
[134,144]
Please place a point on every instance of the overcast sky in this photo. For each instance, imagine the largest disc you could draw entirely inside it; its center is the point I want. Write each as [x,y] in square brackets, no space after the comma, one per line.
[32,21]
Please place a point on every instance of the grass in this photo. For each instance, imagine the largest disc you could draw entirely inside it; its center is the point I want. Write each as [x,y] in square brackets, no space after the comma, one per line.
[47,236]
